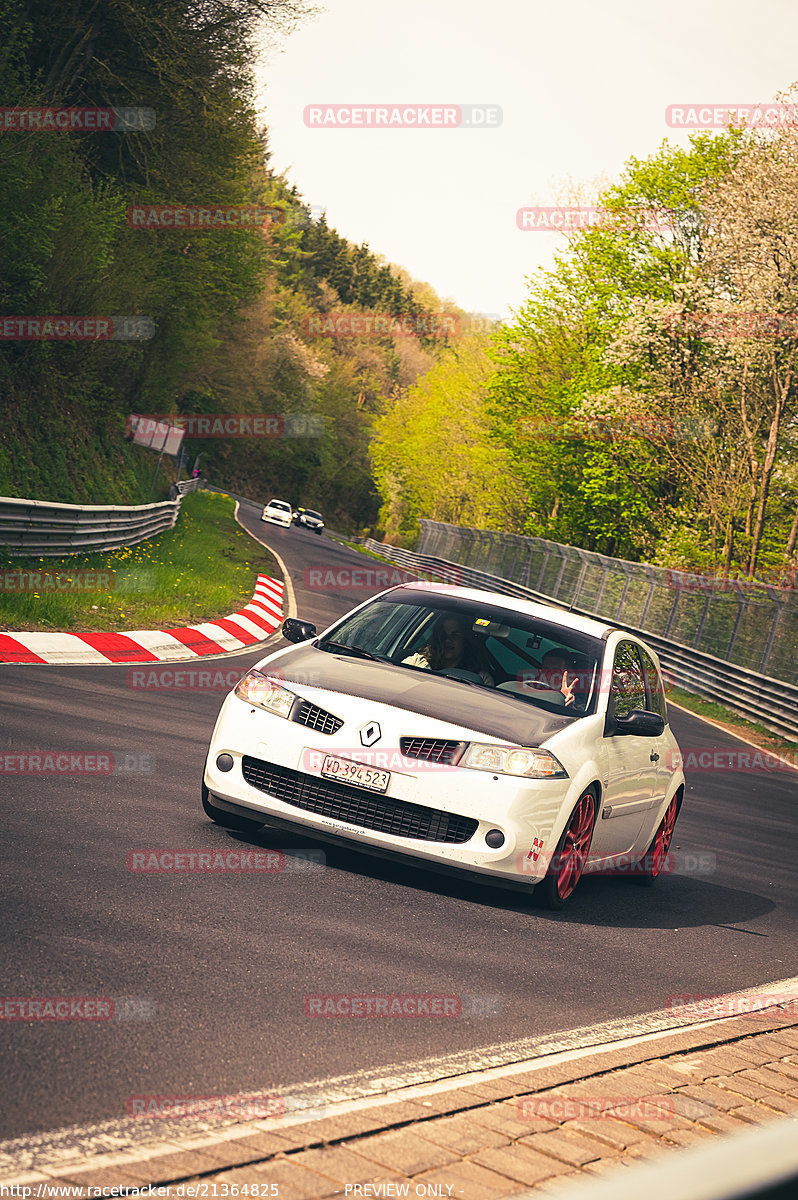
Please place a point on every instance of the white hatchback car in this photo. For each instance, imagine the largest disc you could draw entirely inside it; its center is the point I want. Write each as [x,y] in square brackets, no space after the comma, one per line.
[461,730]
[279,512]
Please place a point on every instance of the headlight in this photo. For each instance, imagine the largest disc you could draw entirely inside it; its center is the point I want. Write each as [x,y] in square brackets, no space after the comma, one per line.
[531,764]
[257,688]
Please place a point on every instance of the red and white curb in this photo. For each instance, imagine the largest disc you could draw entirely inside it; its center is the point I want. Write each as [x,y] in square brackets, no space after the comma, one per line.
[253,624]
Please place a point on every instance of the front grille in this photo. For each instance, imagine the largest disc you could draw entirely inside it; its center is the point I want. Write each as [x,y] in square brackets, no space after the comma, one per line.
[357,807]
[317,718]
[437,750]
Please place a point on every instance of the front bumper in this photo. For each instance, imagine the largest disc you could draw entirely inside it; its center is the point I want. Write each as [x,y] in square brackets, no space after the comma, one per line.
[523,883]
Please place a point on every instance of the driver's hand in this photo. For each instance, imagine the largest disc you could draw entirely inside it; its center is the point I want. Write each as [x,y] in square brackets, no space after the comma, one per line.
[567,688]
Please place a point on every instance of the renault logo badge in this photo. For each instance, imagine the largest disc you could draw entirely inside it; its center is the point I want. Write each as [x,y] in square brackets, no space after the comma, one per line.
[370,733]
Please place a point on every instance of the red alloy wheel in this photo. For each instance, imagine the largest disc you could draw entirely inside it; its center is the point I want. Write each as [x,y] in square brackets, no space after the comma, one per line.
[571,855]
[661,844]
[575,846]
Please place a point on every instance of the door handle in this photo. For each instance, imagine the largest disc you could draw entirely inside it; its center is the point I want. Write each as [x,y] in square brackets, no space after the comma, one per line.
[654,757]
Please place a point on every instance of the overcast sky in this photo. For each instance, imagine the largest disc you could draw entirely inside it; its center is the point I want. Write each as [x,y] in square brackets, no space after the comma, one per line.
[583,85]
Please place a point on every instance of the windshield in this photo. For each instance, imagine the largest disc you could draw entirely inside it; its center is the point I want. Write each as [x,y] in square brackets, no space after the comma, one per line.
[481,645]
[279,504]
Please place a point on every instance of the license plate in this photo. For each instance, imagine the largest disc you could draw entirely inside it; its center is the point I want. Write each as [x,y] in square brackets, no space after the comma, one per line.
[344,771]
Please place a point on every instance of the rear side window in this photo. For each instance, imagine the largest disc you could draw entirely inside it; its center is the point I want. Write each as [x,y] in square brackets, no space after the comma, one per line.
[656,696]
[628,683]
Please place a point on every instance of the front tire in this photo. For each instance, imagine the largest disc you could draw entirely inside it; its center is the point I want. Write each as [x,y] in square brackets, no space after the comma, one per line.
[228,820]
[565,869]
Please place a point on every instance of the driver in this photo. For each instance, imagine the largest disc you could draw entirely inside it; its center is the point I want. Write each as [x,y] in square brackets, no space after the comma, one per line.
[453,646]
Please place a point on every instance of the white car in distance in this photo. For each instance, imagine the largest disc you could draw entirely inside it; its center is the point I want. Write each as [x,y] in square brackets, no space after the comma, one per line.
[279,512]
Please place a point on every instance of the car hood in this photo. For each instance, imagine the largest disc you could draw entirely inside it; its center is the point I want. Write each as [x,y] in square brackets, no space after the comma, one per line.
[497,714]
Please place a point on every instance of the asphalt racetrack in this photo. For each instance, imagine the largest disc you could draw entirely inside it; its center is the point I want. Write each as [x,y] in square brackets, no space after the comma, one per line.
[208,971]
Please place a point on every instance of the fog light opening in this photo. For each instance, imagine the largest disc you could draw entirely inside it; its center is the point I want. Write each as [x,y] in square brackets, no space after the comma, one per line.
[494,838]
[224,762]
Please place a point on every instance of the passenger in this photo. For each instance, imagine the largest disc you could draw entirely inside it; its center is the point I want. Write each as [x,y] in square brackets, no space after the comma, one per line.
[554,672]
[453,646]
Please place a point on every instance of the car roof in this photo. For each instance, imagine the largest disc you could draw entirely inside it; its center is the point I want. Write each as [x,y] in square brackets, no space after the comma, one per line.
[545,612]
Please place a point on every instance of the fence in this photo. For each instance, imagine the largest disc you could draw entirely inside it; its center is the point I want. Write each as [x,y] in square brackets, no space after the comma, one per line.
[625,594]
[754,626]
[40,528]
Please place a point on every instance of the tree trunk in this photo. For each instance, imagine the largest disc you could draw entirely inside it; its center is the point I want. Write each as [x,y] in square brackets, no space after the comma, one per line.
[791,540]
[728,545]
[767,470]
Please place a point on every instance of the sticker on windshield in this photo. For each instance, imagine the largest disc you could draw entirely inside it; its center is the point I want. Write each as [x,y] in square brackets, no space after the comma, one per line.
[494,628]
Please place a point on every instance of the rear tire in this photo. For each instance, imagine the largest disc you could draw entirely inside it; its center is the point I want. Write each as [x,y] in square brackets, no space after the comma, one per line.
[565,868]
[656,856]
[228,820]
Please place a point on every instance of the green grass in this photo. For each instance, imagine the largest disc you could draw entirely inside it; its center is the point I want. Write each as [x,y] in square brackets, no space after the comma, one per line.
[765,738]
[205,567]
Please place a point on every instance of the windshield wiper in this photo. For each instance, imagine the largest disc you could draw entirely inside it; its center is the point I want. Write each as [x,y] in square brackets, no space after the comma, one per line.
[355,651]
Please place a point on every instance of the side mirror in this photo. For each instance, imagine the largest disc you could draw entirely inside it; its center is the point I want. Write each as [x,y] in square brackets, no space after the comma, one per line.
[298,631]
[640,722]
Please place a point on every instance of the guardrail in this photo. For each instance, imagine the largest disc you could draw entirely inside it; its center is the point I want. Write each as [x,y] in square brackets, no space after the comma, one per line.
[40,528]
[770,702]
[185,485]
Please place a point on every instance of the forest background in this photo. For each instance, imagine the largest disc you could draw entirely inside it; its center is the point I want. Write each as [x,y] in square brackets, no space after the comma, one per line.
[640,403]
